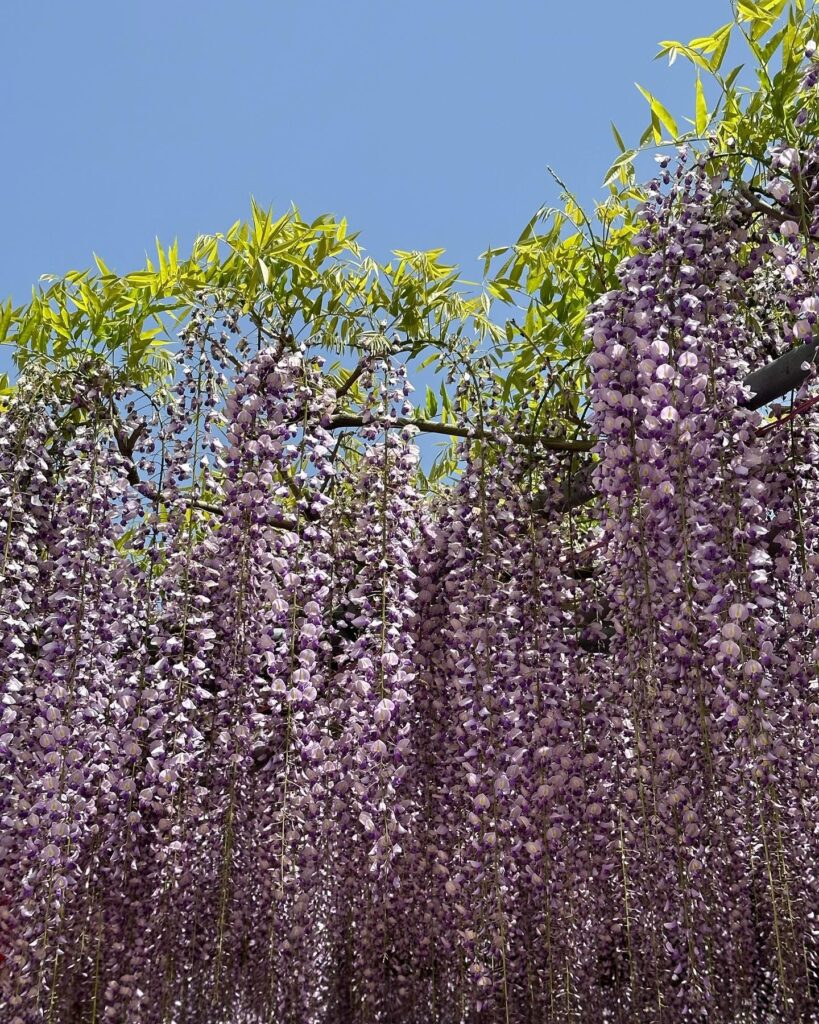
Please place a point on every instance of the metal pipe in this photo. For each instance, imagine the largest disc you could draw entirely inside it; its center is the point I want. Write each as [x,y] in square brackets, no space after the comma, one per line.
[781,376]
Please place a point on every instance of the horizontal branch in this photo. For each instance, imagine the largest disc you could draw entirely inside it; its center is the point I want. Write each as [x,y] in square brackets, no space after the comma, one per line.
[799,410]
[149,491]
[559,444]
[784,374]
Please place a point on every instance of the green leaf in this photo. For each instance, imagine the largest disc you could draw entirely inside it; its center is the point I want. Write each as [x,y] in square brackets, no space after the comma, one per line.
[618,138]
[732,77]
[761,15]
[429,360]
[163,263]
[622,161]
[700,109]
[446,403]
[660,112]
[103,269]
[708,44]
[690,54]
[669,49]
[499,291]
[720,51]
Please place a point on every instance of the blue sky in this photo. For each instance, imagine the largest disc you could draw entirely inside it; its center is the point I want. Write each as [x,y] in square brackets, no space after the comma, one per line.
[426,123]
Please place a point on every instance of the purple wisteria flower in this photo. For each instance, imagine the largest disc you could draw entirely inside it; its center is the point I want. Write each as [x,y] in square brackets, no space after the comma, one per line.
[287,736]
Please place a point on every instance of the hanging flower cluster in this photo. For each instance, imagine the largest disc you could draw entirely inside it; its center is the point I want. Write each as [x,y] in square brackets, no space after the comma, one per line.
[710,560]
[283,738]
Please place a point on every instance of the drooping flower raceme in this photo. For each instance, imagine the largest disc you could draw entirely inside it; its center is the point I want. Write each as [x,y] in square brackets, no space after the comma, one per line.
[286,737]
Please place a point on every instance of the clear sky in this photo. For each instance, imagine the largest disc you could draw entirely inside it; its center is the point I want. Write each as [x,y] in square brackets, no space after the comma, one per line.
[426,123]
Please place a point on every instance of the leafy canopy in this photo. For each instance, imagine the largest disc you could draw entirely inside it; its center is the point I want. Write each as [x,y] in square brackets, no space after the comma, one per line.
[313,282]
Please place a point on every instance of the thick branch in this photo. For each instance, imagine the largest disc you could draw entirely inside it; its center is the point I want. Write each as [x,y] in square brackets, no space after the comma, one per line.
[756,204]
[579,488]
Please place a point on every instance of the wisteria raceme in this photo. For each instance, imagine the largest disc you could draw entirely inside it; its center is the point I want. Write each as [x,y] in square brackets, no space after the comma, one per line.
[699,507]
[285,737]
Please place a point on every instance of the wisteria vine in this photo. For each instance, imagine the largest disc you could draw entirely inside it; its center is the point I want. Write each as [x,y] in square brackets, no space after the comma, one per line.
[285,739]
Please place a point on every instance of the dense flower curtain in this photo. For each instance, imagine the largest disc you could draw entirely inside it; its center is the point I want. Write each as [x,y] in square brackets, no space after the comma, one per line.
[284,739]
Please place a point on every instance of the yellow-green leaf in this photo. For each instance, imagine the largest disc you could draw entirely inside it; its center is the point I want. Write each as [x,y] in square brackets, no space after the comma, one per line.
[660,112]
[732,77]
[747,10]
[695,56]
[700,109]
[622,161]
[103,269]
[708,44]
[721,49]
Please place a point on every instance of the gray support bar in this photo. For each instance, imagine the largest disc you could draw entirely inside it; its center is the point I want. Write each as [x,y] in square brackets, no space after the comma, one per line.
[781,376]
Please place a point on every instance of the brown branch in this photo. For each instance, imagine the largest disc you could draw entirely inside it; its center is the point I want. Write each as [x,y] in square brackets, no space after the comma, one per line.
[756,204]
[126,446]
[354,376]
[452,430]
[803,407]
[149,491]
[221,351]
